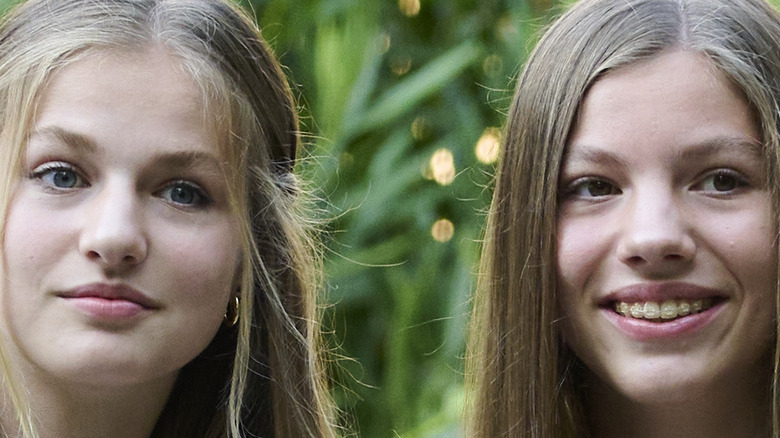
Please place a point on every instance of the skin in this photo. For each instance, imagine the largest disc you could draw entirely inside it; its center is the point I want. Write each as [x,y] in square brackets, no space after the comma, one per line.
[664,185]
[122,184]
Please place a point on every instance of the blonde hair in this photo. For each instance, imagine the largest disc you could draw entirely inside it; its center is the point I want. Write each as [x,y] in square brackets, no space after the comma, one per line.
[523,378]
[264,377]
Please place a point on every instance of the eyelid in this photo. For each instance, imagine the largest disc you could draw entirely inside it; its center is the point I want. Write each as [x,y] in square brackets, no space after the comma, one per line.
[49,166]
[570,188]
[742,181]
[203,201]
[40,171]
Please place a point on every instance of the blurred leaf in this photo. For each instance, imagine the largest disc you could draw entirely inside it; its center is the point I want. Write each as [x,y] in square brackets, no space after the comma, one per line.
[414,89]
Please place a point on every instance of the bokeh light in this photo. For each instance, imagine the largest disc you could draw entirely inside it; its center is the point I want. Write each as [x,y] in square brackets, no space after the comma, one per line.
[506,29]
[420,128]
[443,166]
[410,8]
[493,65]
[385,42]
[401,65]
[488,146]
[442,230]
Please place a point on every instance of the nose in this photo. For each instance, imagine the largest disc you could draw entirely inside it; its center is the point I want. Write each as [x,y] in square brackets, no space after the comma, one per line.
[112,233]
[656,236]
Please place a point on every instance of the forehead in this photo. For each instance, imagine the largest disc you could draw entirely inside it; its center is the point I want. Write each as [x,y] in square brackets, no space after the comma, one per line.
[675,98]
[139,94]
[130,102]
[97,76]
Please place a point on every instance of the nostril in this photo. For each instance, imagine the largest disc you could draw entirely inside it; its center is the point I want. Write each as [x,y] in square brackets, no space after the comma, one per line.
[635,260]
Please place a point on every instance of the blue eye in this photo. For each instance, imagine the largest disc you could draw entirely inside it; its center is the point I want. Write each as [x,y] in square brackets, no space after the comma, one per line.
[58,175]
[185,193]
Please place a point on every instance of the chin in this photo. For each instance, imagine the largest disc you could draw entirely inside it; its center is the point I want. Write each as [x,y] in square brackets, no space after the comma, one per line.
[676,381]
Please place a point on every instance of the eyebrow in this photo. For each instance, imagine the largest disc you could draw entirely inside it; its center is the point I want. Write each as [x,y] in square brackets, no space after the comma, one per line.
[720,144]
[707,148]
[181,159]
[590,154]
[74,140]
[186,159]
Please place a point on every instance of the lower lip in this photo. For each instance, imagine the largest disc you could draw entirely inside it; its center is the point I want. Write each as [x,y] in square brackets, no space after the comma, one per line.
[644,330]
[105,309]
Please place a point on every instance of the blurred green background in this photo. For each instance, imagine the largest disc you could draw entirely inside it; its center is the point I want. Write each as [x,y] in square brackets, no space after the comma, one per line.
[402,102]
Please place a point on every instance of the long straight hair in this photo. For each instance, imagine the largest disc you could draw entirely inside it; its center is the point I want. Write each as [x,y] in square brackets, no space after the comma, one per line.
[523,379]
[263,377]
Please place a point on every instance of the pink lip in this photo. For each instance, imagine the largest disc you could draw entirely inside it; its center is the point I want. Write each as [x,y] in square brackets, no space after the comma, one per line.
[644,330]
[109,301]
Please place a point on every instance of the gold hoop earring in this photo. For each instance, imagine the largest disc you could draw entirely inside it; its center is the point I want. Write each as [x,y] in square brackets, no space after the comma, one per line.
[231,314]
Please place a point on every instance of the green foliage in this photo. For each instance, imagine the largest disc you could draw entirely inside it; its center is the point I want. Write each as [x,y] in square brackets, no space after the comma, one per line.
[382,91]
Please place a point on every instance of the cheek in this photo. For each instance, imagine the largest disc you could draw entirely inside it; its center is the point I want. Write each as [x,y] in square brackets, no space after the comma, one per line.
[33,243]
[207,260]
[749,247]
[580,249]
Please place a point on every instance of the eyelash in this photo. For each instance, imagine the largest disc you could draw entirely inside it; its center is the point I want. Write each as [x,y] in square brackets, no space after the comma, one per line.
[574,188]
[201,199]
[738,179]
[40,173]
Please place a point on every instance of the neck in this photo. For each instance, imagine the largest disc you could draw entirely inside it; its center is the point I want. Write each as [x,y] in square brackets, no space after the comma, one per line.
[733,408]
[80,410]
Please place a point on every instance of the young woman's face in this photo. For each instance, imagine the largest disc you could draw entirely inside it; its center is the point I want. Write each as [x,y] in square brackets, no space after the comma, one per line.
[121,250]
[666,242]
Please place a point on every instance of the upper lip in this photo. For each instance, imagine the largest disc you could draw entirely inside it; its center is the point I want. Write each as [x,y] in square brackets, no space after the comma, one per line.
[110,292]
[644,292]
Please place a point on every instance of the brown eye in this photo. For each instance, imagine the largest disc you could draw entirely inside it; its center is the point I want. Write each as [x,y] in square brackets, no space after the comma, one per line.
[591,187]
[599,188]
[724,182]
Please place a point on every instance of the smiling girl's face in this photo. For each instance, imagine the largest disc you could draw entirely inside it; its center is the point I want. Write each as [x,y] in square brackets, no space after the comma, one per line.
[121,249]
[666,240]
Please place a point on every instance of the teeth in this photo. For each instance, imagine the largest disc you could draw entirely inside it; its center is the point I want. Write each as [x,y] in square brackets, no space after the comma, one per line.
[669,310]
[666,310]
[652,310]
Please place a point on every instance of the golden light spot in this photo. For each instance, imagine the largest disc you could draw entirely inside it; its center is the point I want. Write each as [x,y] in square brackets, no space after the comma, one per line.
[419,128]
[506,29]
[442,230]
[493,65]
[488,146]
[443,166]
[401,65]
[410,8]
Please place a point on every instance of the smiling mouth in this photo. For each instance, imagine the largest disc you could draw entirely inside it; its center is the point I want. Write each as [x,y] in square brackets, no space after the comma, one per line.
[664,311]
